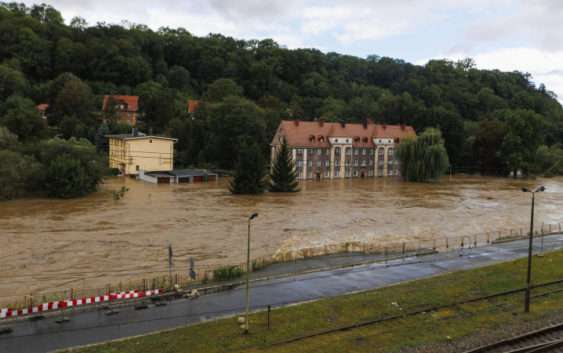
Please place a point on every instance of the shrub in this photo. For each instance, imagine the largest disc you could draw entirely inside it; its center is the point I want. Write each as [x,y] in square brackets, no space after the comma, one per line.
[227,273]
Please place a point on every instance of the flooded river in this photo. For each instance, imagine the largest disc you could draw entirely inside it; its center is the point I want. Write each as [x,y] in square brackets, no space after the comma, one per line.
[92,241]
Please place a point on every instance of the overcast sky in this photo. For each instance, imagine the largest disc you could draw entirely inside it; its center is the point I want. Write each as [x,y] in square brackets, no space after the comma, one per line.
[524,35]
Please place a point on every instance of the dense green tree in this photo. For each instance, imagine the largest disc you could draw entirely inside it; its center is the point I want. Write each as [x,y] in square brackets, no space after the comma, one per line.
[21,117]
[549,160]
[73,104]
[229,122]
[250,170]
[522,139]
[158,105]
[101,139]
[283,177]
[179,78]
[72,167]
[16,174]
[488,142]
[8,140]
[11,82]
[423,158]
[222,88]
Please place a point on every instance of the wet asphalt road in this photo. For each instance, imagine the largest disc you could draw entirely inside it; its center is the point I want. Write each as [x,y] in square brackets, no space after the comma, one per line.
[92,327]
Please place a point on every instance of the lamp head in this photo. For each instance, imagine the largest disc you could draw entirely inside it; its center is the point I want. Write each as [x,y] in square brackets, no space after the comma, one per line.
[540,189]
[525,190]
[252,216]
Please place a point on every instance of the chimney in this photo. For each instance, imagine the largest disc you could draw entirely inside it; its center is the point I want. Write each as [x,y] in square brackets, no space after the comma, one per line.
[296,122]
[343,124]
[321,122]
[365,124]
[370,121]
[403,127]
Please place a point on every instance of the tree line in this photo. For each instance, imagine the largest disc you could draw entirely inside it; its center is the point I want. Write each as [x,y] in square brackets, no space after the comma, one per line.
[492,122]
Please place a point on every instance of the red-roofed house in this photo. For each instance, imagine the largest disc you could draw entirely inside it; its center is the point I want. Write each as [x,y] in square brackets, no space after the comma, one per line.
[42,109]
[340,150]
[125,108]
[193,104]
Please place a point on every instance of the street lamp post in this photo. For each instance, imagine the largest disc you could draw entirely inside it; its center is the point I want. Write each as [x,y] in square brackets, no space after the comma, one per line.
[530,245]
[252,216]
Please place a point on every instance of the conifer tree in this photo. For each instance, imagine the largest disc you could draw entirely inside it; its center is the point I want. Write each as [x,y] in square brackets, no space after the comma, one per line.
[283,177]
[250,170]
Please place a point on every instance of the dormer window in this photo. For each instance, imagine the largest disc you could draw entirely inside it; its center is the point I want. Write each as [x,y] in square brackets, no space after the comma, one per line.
[321,139]
[365,140]
[312,138]
[357,139]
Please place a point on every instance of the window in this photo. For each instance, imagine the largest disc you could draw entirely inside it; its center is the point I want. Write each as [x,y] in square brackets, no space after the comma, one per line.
[363,163]
[319,151]
[137,168]
[337,150]
[356,151]
[309,163]
[319,163]
[390,153]
[348,151]
[337,162]
[364,151]
[336,172]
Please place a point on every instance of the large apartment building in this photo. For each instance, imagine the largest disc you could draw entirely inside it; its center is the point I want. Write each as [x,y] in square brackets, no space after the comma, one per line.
[340,150]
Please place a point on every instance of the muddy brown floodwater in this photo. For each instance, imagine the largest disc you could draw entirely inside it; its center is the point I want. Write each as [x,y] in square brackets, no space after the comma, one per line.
[56,244]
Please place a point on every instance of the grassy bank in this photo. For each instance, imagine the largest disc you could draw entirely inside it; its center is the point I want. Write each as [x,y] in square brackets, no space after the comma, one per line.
[435,328]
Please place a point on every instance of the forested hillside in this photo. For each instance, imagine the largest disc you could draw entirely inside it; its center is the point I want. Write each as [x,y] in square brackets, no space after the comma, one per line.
[491,121]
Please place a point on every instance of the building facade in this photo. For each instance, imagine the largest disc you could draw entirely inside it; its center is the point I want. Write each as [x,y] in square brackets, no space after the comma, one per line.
[132,153]
[322,150]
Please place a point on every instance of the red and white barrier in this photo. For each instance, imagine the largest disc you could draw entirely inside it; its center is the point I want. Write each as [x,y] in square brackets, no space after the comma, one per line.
[69,303]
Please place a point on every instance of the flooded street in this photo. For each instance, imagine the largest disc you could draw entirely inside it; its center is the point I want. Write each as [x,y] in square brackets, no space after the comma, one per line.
[96,240]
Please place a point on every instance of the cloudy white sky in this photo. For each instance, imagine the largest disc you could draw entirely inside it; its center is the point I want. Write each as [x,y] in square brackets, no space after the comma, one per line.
[524,35]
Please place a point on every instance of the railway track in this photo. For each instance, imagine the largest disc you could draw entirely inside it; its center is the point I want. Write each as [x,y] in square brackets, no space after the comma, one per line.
[547,339]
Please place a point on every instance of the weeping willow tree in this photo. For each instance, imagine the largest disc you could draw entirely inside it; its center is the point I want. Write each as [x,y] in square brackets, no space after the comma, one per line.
[423,158]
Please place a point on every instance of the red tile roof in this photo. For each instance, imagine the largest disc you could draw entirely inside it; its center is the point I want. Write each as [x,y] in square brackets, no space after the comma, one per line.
[132,102]
[315,134]
[193,104]
[42,107]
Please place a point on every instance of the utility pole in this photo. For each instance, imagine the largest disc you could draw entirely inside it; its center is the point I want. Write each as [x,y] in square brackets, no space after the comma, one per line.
[530,246]
[254,215]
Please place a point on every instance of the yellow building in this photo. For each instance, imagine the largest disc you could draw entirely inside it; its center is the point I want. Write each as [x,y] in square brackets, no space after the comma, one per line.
[131,153]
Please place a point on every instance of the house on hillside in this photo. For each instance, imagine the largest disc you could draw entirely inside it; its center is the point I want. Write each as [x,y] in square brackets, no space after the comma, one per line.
[324,150]
[125,109]
[193,105]
[136,152]
[42,109]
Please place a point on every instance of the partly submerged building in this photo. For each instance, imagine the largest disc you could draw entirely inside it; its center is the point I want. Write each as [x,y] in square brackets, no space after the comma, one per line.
[341,150]
[178,176]
[135,152]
